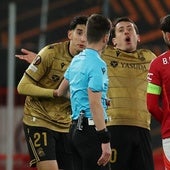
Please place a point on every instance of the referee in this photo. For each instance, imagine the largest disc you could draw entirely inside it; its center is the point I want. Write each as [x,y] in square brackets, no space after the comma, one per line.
[87,78]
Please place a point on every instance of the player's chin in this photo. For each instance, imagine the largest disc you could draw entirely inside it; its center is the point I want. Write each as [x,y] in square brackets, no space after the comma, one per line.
[81,49]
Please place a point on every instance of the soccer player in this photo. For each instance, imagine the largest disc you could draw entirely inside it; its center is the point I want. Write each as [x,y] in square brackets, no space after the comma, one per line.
[129,120]
[158,90]
[47,118]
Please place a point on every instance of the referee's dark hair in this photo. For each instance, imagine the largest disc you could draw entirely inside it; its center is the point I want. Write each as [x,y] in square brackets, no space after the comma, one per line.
[97,26]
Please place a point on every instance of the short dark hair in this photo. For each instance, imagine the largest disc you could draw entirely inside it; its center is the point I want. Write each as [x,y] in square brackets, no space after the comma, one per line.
[97,26]
[78,20]
[165,23]
[122,19]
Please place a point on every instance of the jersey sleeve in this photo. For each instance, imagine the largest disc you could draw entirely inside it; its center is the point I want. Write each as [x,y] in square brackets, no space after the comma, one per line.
[154,91]
[97,77]
[28,87]
[40,64]
[154,74]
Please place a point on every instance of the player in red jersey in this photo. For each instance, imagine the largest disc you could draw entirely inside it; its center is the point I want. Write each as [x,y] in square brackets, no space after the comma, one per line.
[158,90]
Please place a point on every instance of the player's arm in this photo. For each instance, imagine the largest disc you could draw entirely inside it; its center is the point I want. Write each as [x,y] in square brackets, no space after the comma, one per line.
[27,55]
[28,87]
[63,89]
[153,97]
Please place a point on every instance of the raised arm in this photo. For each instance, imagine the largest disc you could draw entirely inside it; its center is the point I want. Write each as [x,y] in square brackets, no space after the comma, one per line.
[27,55]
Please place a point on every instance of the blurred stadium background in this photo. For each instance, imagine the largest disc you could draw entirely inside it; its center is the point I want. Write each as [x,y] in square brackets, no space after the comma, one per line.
[35,28]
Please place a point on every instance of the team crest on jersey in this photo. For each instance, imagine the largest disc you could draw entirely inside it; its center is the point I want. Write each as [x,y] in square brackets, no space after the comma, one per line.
[37,60]
[114,63]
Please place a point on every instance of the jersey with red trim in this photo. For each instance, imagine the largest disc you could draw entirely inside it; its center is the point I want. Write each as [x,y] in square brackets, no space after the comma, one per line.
[159,74]
[127,86]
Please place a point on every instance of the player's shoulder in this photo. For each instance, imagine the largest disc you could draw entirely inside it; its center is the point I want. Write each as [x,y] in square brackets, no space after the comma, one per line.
[165,54]
[55,49]
[146,53]
[109,51]
[60,46]
[162,57]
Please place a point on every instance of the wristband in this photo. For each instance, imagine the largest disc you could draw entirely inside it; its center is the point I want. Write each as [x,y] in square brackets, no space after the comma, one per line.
[104,135]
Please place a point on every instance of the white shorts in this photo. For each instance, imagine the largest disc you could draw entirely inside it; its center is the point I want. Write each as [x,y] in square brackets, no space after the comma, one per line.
[166,154]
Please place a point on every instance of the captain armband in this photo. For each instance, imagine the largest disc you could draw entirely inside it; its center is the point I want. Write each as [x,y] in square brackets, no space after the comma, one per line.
[153,89]
[104,135]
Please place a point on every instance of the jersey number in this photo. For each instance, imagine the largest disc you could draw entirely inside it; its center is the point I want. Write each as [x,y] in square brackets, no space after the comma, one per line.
[40,138]
[113,156]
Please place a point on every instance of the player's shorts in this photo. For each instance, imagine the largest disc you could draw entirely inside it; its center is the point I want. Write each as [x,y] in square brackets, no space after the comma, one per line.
[45,144]
[166,152]
[131,148]
[86,147]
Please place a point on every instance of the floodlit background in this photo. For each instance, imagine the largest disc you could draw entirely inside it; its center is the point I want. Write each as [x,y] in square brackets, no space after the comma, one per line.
[36,23]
